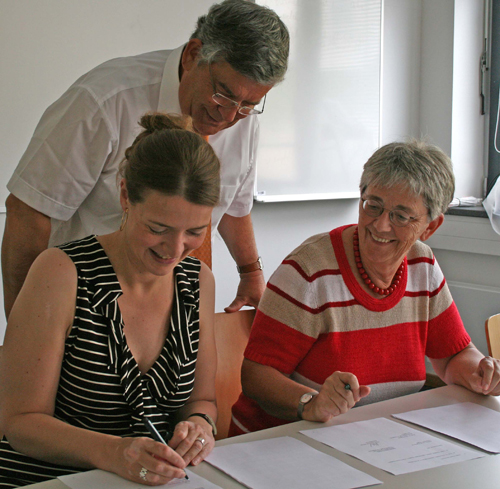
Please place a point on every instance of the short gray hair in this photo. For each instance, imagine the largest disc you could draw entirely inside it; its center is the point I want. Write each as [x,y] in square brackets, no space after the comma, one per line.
[423,168]
[250,37]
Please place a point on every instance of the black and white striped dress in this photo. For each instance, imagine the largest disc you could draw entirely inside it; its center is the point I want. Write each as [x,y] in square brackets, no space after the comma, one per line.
[101,387]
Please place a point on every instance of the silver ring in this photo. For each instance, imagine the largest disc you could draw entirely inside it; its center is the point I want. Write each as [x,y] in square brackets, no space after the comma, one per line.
[143,473]
[201,440]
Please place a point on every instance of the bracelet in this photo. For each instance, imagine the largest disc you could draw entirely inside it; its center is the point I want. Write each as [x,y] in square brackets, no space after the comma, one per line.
[208,419]
[252,267]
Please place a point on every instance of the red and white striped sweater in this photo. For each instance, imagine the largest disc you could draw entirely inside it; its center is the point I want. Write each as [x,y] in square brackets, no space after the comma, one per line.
[314,318]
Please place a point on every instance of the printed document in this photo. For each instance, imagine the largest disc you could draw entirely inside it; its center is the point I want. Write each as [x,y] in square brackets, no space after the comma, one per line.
[466,421]
[283,463]
[392,446]
[100,479]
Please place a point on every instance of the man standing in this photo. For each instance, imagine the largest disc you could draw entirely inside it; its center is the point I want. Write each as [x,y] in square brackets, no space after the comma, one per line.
[64,187]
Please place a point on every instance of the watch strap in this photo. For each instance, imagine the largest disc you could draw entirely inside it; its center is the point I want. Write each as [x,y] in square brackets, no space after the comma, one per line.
[208,419]
[251,267]
[302,404]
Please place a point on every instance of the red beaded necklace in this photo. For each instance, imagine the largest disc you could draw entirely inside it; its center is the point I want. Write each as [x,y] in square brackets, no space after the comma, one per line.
[357,256]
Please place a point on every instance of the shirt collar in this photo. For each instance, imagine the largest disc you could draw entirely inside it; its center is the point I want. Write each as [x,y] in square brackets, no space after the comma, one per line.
[169,88]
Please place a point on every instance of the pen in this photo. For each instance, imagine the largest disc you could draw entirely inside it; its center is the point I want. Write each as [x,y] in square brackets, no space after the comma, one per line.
[156,435]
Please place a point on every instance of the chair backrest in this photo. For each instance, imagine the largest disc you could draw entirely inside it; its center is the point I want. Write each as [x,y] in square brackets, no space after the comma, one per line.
[231,337]
[492,327]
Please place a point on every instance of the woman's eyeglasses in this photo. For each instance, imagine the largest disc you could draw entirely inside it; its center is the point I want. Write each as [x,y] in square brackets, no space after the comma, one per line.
[398,217]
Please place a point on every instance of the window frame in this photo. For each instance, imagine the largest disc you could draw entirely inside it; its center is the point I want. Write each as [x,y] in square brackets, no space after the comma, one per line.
[490,62]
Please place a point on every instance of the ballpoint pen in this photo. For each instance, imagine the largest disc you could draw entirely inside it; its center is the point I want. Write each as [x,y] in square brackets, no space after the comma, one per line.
[156,435]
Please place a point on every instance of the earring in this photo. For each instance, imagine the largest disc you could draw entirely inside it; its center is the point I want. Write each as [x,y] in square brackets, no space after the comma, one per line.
[124,219]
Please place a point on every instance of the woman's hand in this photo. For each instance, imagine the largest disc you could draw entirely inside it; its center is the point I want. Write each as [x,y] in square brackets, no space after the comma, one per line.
[333,398]
[486,378]
[193,441]
[148,462]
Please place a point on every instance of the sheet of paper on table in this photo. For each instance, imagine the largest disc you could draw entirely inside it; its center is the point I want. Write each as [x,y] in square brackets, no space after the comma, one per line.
[285,462]
[392,446]
[466,421]
[100,479]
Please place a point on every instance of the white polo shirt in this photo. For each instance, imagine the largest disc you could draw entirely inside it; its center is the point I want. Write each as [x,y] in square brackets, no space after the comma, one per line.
[69,170]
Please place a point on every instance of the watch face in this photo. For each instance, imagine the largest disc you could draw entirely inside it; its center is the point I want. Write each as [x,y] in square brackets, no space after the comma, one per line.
[305,398]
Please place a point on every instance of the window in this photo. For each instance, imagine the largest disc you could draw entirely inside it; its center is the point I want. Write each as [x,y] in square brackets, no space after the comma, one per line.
[494,92]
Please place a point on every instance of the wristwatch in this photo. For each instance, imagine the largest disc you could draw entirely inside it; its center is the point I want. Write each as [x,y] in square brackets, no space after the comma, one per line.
[208,419]
[304,399]
[251,267]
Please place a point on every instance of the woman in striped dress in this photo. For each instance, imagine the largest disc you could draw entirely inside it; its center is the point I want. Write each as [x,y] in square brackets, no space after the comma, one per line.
[111,331]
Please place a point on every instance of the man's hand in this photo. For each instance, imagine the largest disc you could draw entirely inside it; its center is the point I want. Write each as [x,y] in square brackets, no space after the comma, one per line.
[250,290]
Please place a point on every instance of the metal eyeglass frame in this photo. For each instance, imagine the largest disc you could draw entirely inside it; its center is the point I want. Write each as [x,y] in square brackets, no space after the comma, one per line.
[242,109]
[391,213]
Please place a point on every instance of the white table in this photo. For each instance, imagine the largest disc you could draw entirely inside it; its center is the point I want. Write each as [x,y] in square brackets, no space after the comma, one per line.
[483,473]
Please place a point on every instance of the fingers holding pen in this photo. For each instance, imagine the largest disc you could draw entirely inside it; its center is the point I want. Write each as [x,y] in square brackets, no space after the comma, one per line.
[343,391]
[347,385]
[339,393]
[150,462]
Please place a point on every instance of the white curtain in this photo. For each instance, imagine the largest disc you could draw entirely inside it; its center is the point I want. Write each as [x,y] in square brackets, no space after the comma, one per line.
[492,206]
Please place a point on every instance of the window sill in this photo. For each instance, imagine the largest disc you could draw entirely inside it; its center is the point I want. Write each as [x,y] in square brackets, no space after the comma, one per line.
[472,211]
[469,233]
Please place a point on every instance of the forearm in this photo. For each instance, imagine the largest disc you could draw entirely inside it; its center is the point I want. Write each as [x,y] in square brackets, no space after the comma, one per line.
[48,439]
[238,234]
[459,369]
[203,406]
[202,399]
[276,393]
[26,235]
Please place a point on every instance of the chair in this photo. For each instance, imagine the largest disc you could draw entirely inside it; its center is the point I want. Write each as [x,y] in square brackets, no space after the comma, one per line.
[492,328]
[231,337]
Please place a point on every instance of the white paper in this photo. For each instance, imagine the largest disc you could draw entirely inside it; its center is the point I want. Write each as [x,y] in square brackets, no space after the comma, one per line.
[100,479]
[465,421]
[392,446]
[283,463]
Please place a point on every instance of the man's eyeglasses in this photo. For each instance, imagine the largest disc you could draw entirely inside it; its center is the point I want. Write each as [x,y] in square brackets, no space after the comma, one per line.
[400,218]
[227,103]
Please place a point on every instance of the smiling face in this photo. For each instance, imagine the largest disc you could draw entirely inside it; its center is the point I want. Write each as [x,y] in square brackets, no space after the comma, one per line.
[196,90]
[384,245]
[162,230]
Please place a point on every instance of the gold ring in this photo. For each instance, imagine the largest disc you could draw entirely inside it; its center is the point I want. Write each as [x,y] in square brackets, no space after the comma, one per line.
[143,473]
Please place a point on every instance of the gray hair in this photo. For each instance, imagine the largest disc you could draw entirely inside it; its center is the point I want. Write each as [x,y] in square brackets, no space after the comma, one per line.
[250,37]
[423,168]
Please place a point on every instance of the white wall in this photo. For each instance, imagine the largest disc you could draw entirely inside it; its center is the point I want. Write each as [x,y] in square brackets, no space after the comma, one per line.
[467,144]
[401,53]
[436,73]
